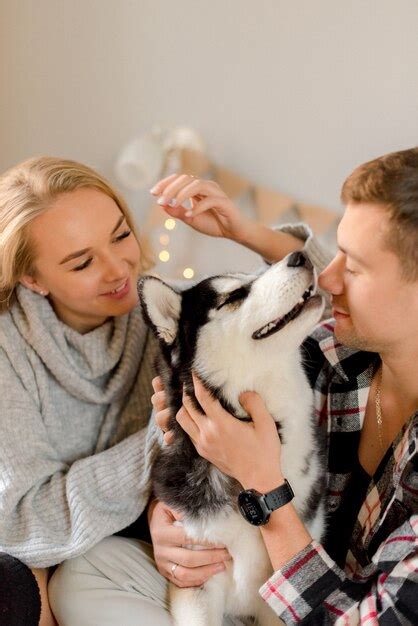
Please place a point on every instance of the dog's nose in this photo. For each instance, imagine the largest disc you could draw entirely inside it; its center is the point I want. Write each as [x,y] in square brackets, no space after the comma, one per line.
[299,259]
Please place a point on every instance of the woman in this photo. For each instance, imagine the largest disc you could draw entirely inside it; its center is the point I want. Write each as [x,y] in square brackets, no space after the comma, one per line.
[76,364]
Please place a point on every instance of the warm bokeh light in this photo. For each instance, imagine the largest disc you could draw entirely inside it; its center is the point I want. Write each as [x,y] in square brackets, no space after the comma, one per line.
[188,272]
[164,240]
[164,256]
[170,223]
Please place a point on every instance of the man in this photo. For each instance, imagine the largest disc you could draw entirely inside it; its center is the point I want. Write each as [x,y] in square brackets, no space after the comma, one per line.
[361,366]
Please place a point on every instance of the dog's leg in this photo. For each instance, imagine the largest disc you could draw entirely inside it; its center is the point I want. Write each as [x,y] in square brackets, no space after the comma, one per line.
[196,606]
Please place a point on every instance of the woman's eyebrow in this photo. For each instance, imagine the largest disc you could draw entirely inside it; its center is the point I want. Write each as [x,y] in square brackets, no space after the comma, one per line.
[119,222]
[74,255]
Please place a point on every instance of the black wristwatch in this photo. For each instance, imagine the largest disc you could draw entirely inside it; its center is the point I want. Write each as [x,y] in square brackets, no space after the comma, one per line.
[256,507]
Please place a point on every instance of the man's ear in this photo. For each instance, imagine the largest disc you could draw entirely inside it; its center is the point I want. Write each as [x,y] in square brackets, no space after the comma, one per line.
[29,281]
[161,307]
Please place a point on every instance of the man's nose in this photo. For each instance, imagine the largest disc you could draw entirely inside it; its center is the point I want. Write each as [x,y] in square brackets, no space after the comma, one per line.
[299,259]
[330,279]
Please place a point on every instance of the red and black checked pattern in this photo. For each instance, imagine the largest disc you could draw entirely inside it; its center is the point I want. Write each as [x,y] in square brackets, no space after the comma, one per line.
[378,584]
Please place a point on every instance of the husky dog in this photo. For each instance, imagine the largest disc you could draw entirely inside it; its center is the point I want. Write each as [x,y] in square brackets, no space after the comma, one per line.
[238,332]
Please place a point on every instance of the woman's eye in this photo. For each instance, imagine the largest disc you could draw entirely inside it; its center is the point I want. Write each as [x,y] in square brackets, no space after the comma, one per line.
[349,271]
[78,268]
[234,296]
[123,235]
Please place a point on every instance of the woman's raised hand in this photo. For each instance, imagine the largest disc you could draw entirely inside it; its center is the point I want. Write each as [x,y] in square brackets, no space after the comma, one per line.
[209,209]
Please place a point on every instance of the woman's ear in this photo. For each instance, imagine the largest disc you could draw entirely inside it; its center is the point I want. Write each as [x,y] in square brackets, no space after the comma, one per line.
[31,283]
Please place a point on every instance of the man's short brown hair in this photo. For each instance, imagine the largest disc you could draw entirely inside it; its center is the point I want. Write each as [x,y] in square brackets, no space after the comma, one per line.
[392,182]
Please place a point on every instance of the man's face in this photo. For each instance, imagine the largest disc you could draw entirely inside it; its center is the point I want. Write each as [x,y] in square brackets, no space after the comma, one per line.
[375,309]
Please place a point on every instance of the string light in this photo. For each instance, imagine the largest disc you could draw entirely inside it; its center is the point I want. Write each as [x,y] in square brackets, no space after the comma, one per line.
[164,240]
[188,272]
[164,256]
[170,224]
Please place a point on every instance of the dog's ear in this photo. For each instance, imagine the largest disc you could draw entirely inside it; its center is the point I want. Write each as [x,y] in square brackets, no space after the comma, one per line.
[161,307]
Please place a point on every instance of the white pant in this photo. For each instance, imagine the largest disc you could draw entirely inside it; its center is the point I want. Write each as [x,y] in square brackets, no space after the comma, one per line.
[116,583]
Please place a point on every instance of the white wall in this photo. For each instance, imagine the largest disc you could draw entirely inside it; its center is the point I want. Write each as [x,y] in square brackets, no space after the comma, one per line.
[292,94]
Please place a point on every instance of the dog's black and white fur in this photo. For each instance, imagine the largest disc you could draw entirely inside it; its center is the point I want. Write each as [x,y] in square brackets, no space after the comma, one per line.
[237,332]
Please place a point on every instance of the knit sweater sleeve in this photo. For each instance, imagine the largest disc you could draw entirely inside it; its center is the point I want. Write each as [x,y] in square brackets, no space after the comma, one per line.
[319,256]
[50,510]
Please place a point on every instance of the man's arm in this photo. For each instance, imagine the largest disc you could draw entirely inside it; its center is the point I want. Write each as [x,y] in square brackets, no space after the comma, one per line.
[312,588]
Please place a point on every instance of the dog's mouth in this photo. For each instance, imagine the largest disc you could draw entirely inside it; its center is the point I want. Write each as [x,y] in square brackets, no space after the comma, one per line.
[275,325]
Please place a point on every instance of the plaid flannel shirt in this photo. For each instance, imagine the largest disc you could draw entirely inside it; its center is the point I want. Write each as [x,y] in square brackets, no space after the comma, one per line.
[379,581]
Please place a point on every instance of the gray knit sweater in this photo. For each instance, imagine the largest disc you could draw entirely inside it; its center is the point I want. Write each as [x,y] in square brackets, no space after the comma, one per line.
[76,444]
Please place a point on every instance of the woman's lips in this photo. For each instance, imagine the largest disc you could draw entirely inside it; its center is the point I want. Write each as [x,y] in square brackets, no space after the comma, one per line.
[120,292]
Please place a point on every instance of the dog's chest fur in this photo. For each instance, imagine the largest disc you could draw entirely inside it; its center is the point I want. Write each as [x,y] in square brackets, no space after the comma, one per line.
[192,485]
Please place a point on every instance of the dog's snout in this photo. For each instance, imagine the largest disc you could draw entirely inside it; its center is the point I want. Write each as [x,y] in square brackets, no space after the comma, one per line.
[299,259]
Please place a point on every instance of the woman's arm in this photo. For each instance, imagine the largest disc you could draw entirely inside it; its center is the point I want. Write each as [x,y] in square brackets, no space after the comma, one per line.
[214,214]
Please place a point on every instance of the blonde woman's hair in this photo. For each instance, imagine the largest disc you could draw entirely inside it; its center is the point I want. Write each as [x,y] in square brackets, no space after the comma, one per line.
[26,191]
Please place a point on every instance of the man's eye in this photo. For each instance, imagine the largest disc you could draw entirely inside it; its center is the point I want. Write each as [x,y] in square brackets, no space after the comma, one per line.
[234,296]
[78,268]
[123,235]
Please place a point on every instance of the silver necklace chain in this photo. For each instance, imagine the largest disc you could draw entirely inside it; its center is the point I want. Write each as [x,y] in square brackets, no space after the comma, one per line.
[379,417]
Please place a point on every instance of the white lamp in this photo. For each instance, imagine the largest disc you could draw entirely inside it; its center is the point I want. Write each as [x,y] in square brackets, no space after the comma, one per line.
[148,157]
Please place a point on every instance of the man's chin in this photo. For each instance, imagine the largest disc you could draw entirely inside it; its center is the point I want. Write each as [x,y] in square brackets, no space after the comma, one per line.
[348,337]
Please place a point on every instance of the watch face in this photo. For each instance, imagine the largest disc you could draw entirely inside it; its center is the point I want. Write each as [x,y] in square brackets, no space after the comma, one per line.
[251,508]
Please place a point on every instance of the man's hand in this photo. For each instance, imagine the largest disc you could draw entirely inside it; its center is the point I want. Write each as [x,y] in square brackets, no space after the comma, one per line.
[249,452]
[172,547]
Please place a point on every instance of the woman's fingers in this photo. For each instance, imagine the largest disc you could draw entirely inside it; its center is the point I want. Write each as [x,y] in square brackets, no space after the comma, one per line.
[183,187]
[162,184]
[169,193]
[198,558]
[214,202]
[194,567]
[169,437]
[157,384]
[192,577]
[162,419]
[171,547]
[158,401]
[197,188]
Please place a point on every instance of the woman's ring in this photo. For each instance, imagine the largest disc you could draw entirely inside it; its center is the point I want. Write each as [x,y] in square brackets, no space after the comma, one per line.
[173,569]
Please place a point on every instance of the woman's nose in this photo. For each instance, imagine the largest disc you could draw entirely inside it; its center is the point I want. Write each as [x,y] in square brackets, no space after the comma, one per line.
[114,268]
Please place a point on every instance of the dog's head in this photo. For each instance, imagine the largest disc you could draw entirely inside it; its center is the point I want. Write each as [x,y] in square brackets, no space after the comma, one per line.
[226,326]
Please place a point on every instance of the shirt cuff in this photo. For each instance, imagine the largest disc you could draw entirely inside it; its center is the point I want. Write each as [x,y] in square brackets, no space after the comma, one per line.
[302,584]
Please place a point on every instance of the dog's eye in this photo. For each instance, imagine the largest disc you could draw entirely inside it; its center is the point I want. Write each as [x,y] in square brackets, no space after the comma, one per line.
[235,296]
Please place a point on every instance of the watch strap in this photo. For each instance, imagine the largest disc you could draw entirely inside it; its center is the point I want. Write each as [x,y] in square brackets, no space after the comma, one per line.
[279,497]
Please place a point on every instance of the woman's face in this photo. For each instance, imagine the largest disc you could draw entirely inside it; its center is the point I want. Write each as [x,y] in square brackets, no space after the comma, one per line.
[87,259]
